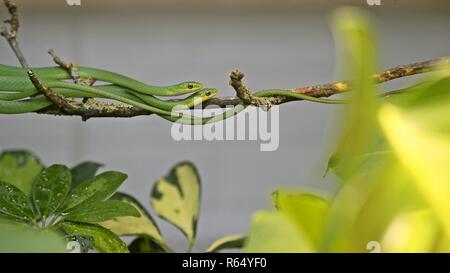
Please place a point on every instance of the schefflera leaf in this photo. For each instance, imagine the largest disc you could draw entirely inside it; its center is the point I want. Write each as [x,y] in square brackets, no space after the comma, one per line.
[104,239]
[176,198]
[19,168]
[98,188]
[100,211]
[50,189]
[227,242]
[145,245]
[144,225]
[84,171]
[14,203]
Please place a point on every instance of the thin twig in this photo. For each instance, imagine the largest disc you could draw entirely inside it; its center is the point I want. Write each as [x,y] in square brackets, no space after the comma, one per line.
[11,36]
[72,69]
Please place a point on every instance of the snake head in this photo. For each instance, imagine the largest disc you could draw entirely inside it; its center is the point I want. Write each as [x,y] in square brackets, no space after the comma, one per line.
[188,87]
[207,93]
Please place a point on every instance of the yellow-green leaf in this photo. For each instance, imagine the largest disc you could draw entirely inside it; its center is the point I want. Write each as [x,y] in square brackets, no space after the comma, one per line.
[104,239]
[227,242]
[366,205]
[144,225]
[309,212]
[414,232]
[425,154]
[275,232]
[428,102]
[176,198]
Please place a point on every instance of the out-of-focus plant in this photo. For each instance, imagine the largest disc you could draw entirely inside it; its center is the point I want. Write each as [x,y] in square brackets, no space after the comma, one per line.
[392,157]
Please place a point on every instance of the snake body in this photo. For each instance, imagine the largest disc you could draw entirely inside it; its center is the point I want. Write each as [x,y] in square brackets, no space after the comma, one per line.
[20,87]
[38,103]
[23,106]
[58,73]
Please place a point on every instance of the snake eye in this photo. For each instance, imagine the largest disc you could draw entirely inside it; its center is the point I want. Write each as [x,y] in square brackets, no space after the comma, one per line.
[190,86]
[208,93]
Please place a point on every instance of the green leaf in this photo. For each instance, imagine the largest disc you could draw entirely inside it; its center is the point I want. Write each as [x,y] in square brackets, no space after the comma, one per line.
[309,212]
[15,203]
[19,168]
[144,225]
[84,171]
[275,232]
[227,242]
[104,239]
[145,245]
[359,126]
[176,198]
[19,238]
[50,189]
[98,188]
[100,211]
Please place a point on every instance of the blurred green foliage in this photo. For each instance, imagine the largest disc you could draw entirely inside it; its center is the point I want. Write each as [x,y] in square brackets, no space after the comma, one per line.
[392,157]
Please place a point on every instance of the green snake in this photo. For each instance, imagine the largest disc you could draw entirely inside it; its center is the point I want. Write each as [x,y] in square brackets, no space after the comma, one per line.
[76,90]
[59,73]
[20,88]
[40,102]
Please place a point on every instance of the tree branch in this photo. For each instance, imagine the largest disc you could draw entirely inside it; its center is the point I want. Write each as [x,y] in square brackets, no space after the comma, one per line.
[329,89]
[11,36]
[322,90]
